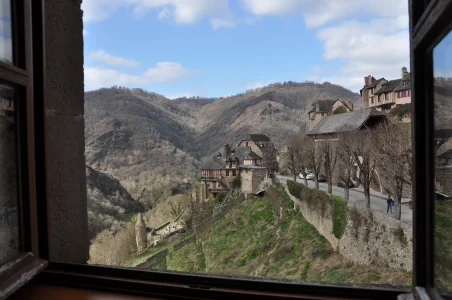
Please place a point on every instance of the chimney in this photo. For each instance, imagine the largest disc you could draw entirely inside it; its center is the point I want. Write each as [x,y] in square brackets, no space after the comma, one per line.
[317,106]
[140,235]
[365,81]
[226,150]
[403,72]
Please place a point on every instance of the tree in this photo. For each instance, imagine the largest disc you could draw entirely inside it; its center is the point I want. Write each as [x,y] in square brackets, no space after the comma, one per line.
[394,154]
[269,153]
[345,161]
[314,158]
[292,154]
[365,158]
[329,153]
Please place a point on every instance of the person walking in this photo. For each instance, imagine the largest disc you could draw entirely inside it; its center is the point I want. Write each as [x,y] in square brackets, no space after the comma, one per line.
[390,203]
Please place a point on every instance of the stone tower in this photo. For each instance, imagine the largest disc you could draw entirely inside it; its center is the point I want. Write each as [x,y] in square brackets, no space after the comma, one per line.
[140,234]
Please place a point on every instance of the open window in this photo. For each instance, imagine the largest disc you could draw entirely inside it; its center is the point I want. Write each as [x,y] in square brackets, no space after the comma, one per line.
[23,211]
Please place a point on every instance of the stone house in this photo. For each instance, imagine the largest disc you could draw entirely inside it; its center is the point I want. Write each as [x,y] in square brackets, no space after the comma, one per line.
[386,94]
[262,146]
[331,126]
[219,172]
[324,108]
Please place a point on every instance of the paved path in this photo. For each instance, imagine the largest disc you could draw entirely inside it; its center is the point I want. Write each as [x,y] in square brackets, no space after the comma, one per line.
[377,200]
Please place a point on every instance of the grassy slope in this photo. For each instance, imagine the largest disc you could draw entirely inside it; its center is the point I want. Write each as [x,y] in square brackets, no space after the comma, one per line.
[260,239]
[444,244]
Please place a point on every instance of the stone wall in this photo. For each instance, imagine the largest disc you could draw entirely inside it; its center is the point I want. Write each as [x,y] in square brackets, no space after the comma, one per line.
[153,260]
[369,238]
[258,175]
[246,184]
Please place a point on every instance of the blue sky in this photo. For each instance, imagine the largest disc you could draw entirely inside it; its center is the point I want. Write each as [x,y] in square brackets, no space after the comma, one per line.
[442,57]
[223,47]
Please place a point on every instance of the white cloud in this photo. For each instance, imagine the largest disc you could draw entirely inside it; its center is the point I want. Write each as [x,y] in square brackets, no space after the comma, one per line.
[98,10]
[165,13]
[255,85]
[378,46]
[97,77]
[104,57]
[219,23]
[181,11]
[320,12]
[178,95]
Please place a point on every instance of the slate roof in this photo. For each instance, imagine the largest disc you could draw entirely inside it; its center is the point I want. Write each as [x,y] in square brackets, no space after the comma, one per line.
[240,154]
[345,122]
[447,154]
[403,88]
[389,86]
[213,163]
[259,137]
[374,82]
[324,105]
[252,155]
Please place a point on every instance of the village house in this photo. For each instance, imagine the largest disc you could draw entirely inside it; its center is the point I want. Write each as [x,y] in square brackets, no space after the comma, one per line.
[330,126]
[252,161]
[383,94]
[324,108]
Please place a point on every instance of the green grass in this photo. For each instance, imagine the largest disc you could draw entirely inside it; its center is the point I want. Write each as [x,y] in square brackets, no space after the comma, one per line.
[443,240]
[265,237]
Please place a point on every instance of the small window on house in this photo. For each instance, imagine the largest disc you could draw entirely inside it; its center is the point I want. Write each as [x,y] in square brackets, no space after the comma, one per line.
[227,172]
[246,144]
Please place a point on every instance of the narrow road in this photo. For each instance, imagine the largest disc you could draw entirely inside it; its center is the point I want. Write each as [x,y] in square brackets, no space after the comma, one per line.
[376,203]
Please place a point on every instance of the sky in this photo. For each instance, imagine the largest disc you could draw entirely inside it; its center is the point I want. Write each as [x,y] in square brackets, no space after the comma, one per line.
[213,48]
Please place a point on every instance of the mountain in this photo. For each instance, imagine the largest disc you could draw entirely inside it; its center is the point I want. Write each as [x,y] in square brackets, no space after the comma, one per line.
[150,143]
[108,201]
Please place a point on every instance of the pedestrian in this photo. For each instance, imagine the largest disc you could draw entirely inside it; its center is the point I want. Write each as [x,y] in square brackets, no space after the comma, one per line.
[390,203]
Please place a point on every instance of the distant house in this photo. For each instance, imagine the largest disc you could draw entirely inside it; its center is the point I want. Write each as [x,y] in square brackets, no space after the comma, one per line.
[253,159]
[262,146]
[329,127]
[324,108]
[444,158]
[386,94]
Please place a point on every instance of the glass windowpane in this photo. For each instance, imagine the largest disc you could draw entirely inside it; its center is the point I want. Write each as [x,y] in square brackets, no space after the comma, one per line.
[6,44]
[9,212]
[442,56]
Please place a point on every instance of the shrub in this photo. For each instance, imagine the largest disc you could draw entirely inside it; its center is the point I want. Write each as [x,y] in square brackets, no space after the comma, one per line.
[220,197]
[295,188]
[400,235]
[316,200]
[236,183]
[340,216]
[339,110]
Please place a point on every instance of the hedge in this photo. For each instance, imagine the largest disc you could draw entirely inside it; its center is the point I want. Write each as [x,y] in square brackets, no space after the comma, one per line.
[340,215]
[316,199]
[295,188]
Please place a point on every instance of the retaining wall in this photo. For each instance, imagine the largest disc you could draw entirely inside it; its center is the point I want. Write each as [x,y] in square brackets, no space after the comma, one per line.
[369,238]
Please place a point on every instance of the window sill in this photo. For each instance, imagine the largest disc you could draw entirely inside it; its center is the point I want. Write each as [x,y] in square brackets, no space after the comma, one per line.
[18,272]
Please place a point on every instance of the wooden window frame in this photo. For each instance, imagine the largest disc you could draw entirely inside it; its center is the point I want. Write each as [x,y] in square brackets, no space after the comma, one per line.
[428,24]
[27,44]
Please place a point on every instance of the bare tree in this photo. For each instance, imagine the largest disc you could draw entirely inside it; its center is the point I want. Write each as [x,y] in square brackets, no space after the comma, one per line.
[269,154]
[314,158]
[394,160]
[329,154]
[365,158]
[292,155]
[345,161]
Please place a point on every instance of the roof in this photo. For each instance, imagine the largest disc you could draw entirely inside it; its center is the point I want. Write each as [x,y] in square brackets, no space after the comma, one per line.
[348,121]
[259,137]
[213,162]
[401,87]
[374,82]
[252,155]
[324,105]
[446,154]
[389,86]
